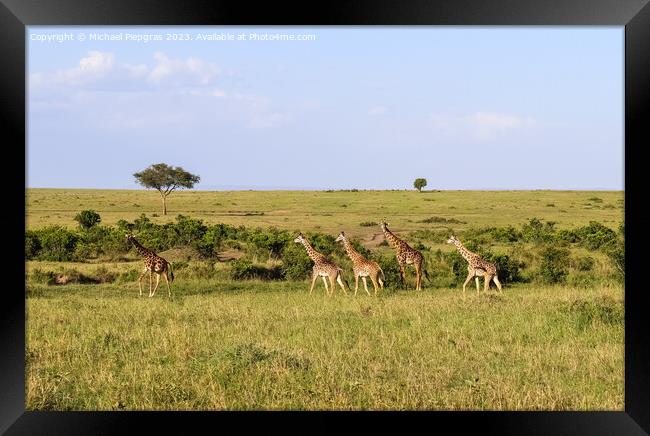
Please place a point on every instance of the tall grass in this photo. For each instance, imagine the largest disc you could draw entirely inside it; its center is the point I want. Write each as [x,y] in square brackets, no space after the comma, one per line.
[222,344]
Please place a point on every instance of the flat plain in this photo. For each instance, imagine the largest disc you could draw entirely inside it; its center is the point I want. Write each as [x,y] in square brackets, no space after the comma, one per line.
[253,344]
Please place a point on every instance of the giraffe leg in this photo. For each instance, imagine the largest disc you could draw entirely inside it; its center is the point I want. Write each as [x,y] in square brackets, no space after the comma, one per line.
[140,280]
[326,287]
[476,279]
[469,277]
[374,283]
[381,281]
[356,283]
[169,289]
[340,281]
[486,283]
[333,283]
[157,283]
[313,280]
[418,276]
[496,282]
[365,285]
[150,281]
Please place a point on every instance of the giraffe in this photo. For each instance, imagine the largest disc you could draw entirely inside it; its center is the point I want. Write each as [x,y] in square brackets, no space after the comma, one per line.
[322,267]
[362,267]
[153,264]
[406,255]
[476,267]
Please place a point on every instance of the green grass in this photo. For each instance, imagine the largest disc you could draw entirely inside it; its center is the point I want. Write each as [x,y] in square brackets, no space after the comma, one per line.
[320,210]
[223,344]
[256,345]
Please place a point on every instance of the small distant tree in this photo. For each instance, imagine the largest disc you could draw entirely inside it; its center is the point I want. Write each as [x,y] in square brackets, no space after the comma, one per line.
[165,179]
[87,219]
[419,184]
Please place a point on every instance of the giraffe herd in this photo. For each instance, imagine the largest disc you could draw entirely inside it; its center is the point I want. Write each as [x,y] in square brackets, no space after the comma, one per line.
[362,267]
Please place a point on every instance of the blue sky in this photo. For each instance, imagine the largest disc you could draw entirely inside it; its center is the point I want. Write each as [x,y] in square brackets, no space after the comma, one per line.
[352,107]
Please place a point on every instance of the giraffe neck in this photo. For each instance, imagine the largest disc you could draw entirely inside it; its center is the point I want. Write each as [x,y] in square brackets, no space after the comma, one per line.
[140,249]
[467,255]
[349,249]
[393,240]
[313,254]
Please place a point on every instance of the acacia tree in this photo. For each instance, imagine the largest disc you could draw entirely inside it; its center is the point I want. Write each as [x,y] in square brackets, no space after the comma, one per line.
[165,179]
[419,184]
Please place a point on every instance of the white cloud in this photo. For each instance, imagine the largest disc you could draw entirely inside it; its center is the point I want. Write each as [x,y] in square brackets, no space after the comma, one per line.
[190,71]
[136,71]
[480,126]
[94,66]
[377,110]
[163,82]
[100,68]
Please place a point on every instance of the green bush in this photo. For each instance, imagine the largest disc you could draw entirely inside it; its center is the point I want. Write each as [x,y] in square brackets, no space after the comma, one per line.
[438,219]
[485,235]
[243,269]
[458,267]
[87,219]
[569,236]
[272,240]
[368,224]
[420,246]
[189,231]
[554,267]
[324,243]
[616,254]
[595,236]
[536,231]
[360,248]
[212,241]
[57,244]
[32,244]
[440,273]
[508,269]
[296,265]
[389,266]
[504,234]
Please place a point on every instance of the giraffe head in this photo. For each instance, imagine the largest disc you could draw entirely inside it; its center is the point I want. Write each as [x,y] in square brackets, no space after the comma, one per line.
[452,240]
[383,224]
[341,237]
[299,239]
[129,237]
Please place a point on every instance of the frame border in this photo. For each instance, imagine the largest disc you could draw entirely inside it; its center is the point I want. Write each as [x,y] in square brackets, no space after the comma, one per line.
[16,15]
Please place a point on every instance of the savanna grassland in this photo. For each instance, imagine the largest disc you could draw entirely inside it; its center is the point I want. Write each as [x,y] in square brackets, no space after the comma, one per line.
[228,340]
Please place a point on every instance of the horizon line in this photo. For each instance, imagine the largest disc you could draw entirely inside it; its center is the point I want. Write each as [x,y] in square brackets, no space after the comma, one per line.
[278,188]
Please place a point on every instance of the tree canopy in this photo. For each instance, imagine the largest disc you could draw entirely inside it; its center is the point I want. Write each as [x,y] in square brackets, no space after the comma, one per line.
[87,219]
[419,184]
[165,179]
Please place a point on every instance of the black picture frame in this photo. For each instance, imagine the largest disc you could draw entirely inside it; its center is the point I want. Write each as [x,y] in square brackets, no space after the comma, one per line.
[15,15]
